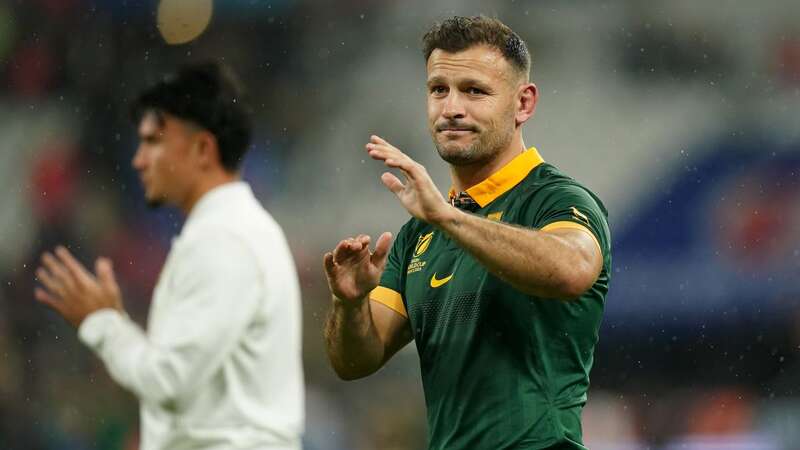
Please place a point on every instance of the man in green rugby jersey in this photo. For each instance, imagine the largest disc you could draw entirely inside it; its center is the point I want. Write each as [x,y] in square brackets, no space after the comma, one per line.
[501,287]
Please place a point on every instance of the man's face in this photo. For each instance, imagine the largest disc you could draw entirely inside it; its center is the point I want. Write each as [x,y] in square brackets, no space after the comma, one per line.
[472,100]
[163,158]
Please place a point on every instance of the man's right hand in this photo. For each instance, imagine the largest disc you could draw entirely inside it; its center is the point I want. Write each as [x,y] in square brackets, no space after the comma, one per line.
[353,271]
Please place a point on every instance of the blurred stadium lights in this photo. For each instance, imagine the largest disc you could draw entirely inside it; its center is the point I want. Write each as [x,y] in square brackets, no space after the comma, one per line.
[181,21]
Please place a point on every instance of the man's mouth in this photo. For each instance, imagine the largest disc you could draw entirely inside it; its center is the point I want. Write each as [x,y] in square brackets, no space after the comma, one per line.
[455,128]
[456,132]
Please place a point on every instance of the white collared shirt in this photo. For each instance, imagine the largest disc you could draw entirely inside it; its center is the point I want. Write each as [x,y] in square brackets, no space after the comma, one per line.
[220,364]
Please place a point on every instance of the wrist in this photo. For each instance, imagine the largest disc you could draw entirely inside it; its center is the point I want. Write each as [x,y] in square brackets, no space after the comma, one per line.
[79,320]
[349,304]
[97,325]
[448,217]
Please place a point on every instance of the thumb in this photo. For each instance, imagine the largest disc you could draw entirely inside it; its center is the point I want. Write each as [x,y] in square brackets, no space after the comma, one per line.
[392,182]
[381,248]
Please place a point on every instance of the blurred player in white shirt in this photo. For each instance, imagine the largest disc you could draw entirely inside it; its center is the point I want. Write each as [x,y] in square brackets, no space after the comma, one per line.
[219,366]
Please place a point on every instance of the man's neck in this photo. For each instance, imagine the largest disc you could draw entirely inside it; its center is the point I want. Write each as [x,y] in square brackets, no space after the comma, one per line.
[205,185]
[464,177]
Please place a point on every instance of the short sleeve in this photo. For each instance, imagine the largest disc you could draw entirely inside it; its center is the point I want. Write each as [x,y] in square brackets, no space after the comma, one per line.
[390,289]
[565,205]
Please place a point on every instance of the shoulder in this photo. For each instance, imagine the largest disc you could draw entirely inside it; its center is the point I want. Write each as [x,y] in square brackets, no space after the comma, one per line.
[547,184]
[242,216]
[210,243]
[234,230]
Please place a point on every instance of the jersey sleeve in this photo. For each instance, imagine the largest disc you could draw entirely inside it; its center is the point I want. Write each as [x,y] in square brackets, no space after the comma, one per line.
[199,327]
[565,205]
[390,289]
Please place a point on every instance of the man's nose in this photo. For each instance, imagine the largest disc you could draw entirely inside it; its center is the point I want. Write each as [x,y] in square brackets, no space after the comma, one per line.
[138,162]
[453,106]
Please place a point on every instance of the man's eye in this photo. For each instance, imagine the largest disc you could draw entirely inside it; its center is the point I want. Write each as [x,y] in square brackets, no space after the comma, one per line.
[438,90]
[475,91]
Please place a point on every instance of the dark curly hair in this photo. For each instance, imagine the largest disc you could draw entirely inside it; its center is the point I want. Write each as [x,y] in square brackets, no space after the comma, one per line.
[209,96]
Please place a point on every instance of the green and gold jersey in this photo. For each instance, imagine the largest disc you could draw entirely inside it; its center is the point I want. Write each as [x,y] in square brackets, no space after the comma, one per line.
[501,369]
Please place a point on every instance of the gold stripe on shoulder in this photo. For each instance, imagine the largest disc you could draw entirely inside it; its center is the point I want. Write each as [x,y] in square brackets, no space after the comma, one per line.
[573,225]
[390,298]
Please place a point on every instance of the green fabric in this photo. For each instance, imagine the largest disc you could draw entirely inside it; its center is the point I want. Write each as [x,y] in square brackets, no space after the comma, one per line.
[501,369]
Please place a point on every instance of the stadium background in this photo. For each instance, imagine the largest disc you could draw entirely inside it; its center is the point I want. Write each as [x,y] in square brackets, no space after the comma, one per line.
[683,116]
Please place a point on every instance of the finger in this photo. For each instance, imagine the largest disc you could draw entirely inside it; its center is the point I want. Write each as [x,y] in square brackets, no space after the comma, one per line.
[380,153]
[105,273]
[397,164]
[49,282]
[393,183]
[364,240]
[338,251]
[43,296]
[327,262]
[383,149]
[409,167]
[394,158]
[59,273]
[75,268]
[353,246]
[382,247]
[377,142]
[358,243]
[375,139]
[356,252]
[345,250]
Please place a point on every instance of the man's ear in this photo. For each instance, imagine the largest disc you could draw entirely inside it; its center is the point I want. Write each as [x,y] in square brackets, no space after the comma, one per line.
[207,150]
[527,97]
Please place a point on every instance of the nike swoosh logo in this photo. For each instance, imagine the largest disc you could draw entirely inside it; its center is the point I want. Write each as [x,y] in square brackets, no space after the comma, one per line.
[437,283]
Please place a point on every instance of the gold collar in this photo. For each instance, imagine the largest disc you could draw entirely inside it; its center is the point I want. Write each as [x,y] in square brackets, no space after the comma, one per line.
[504,179]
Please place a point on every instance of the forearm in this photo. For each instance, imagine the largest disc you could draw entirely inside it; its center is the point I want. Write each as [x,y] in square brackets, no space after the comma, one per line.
[128,356]
[354,346]
[162,373]
[535,262]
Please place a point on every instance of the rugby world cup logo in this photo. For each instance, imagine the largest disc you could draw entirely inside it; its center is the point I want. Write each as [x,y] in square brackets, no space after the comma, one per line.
[423,243]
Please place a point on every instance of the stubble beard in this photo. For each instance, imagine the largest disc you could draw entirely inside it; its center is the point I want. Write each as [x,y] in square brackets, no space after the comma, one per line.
[482,150]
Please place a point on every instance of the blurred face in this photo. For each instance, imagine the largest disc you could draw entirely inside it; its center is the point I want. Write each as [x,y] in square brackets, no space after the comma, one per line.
[472,99]
[163,158]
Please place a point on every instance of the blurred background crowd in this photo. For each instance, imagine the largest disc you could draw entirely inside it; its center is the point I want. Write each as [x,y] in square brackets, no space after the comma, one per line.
[683,116]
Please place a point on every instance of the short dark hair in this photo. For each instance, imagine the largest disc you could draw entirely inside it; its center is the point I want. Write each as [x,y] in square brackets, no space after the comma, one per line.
[460,33]
[208,95]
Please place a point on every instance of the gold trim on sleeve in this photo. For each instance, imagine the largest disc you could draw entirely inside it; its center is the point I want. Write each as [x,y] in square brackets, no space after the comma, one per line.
[390,298]
[574,226]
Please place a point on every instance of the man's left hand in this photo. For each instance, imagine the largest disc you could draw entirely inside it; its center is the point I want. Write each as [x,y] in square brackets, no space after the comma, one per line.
[419,195]
[72,290]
